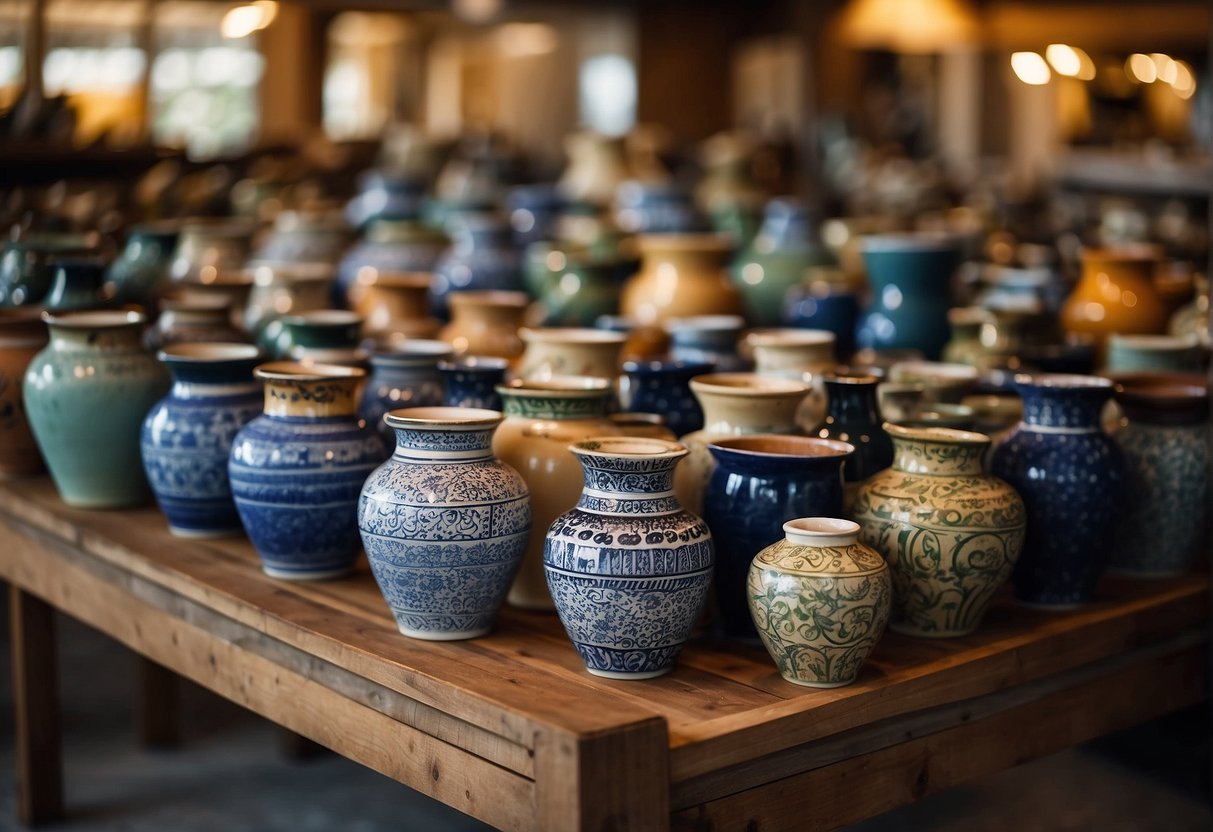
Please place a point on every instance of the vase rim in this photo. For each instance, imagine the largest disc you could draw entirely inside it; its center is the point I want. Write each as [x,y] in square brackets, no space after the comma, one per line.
[208,352]
[571,335]
[750,384]
[556,386]
[324,317]
[667,364]
[270,274]
[928,371]
[443,418]
[790,337]
[827,527]
[700,323]
[94,319]
[936,435]
[629,447]
[1063,381]
[489,297]
[694,241]
[897,241]
[411,349]
[473,362]
[857,379]
[299,371]
[779,445]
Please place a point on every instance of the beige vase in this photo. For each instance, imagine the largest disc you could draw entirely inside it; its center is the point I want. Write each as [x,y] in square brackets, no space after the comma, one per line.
[734,404]
[286,290]
[542,418]
[797,354]
[395,305]
[486,323]
[570,351]
[597,165]
[681,275]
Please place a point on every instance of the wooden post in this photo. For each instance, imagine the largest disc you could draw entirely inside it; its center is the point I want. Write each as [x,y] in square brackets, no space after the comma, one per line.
[159,711]
[36,708]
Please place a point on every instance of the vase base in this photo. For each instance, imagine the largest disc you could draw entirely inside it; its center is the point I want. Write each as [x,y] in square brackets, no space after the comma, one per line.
[440,635]
[204,534]
[626,677]
[804,683]
[320,575]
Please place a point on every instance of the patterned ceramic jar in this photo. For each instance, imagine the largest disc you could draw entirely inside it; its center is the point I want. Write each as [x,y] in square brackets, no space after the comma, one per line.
[1162,530]
[628,567]
[444,523]
[820,600]
[664,387]
[570,351]
[407,376]
[1070,475]
[297,470]
[950,532]
[471,381]
[187,437]
[22,336]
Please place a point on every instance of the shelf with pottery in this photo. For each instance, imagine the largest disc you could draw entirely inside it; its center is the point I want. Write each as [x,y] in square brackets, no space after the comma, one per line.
[511,729]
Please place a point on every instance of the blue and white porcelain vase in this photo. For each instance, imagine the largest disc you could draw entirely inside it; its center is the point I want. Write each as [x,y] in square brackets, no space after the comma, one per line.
[482,256]
[406,376]
[444,523]
[187,437]
[628,567]
[471,381]
[297,470]
[1070,475]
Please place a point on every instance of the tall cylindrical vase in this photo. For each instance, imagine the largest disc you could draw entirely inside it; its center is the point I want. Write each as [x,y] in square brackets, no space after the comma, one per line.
[1070,475]
[628,567]
[86,395]
[910,275]
[444,523]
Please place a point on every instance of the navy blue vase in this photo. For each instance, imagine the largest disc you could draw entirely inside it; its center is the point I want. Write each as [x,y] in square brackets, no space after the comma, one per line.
[297,470]
[761,482]
[534,210]
[664,387]
[187,437]
[853,415]
[471,381]
[822,306]
[481,257]
[1070,475]
[406,376]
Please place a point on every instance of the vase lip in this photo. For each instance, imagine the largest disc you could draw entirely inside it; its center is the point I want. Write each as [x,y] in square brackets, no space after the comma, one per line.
[270,274]
[299,371]
[643,366]
[935,435]
[929,371]
[1062,381]
[94,319]
[411,350]
[371,276]
[195,303]
[1122,251]
[701,323]
[821,527]
[490,363]
[782,446]
[324,317]
[790,337]
[629,447]
[1155,343]
[856,379]
[443,418]
[749,384]
[489,297]
[556,386]
[571,335]
[209,352]
[898,241]
[693,241]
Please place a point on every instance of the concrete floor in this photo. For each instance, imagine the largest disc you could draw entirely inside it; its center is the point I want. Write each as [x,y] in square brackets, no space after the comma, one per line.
[230,774]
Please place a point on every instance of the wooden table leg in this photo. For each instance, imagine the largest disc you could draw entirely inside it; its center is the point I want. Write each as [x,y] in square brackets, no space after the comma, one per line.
[297,747]
[159,713]
[36,706]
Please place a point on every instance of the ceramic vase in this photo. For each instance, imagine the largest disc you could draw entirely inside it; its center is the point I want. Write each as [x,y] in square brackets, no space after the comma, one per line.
[303,236]
[1155,353]
[664,388]
[542,418]
[820,601]
[575,288]
[596,167]
[297,470]
[1070,475]
[321,334]
[192,319]
[628,568]
[776,260]
[279,291]
[910,276]
[761,482]
[486,323]
[533,210]
[26,265]
[853,415]
[1115,293]
[234,288]
[444,523]
[1162,531]
[656,206]
[389,247]
[22,336]
[734,404]
[406,376]
[827,306]
[964,344]
[680,275]
[140,272]
[76,284]
[798,354]
[950,532]
[207,247]
[385,195]
[713,338]
[187,437]
[569,351]
[482,257]
[472,380]
[394,305]
[86,395]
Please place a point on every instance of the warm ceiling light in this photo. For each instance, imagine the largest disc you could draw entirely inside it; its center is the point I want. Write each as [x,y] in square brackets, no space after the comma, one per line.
[520,40]
[1164,67]
[909,26]
[1141,68]
[476,11]
[1070,61]
[1030,68]
[1185,81]
[242,21]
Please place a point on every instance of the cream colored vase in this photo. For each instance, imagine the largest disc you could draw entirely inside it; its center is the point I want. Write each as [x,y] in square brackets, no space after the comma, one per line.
[680,275]
[570,351]
[797,354]
[542,418]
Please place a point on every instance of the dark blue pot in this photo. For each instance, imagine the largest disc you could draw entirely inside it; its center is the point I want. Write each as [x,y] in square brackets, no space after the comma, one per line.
[298,469]
[471,381]
[187,437]
[708,338]
[664,387]
[822,306]
[404,377]
[534,210]
[383,195]
[1070,475]
[911,277]
[853,415]
[761,482]
[482,257]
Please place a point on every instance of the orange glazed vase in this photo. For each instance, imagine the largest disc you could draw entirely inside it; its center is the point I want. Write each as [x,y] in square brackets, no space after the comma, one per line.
[681,275]
[1115,293]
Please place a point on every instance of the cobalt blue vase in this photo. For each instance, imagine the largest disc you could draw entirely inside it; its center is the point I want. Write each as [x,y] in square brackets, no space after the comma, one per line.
[187,437]
[761,482]
[471,381]
[664,387]
[628,567]
[444,523]
[406,376]
[1070,475]
[297,470]
[482,257]
[911,277]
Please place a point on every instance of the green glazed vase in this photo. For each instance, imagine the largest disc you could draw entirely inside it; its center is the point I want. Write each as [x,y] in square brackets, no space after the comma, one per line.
[86,395]
[820,600]
[950,532]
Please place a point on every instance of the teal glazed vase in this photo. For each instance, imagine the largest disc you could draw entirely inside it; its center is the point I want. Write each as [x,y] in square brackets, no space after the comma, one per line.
[27,265]
[140,272]
[76,284]
[86,395]
[1165,440]
[776,260]
[910,277]
[444,523]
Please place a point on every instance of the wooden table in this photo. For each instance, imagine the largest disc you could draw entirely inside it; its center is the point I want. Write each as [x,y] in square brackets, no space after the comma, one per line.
[512,730]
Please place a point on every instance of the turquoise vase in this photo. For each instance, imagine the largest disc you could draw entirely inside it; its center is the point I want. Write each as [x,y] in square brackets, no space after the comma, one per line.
[775,261]
[910,276]
[140,272]
[86,395]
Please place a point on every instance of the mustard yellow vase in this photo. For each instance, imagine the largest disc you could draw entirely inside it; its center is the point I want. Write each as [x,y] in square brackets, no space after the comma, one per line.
[681,275]
[1115,293]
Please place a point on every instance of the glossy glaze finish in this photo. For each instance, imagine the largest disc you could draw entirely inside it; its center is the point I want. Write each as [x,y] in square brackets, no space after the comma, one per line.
[853,415]
[824,305]
[284,290]
[404,377]
[482,257]
[910,276]
[664,387]
[1116,293]
[140,272]
[628,567]
[680,275]
[760,483]
[444,523]
[26,265]
[22,336]
[76,284]
[1155,353]
[569,351]
[711,338]
[776,260]
[187,436]
[486,323]
[471,381]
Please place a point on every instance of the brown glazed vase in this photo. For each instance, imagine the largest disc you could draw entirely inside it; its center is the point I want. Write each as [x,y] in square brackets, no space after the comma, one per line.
[1116,294]
[22,335]
[486,323]
[681,275]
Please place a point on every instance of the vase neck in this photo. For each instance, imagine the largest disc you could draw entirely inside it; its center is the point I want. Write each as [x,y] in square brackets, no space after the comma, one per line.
[852,402]
[312,398]
[444,444]
[735,412]
[632,486]
[582,405]
[938,457]
[1066,409]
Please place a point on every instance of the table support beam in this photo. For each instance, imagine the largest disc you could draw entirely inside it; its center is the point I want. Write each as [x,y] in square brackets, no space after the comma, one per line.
[36,708]
[159,712]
